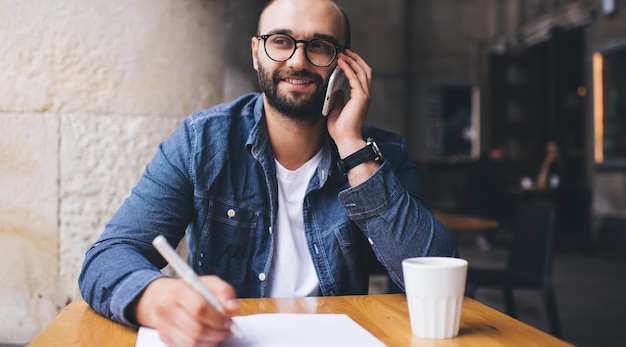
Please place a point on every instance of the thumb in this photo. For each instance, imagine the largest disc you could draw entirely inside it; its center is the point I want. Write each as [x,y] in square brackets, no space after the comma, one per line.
[231,306]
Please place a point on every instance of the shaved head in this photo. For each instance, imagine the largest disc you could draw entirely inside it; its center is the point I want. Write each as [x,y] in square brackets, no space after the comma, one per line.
[340,16]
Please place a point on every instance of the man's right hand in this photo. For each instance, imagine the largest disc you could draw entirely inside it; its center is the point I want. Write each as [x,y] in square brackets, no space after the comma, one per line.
[182,316]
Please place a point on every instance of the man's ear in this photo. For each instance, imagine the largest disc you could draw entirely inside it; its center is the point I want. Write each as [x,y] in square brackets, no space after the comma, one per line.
[254,46]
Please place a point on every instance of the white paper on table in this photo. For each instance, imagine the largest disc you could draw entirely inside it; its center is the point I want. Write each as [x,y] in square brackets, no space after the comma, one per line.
[286,329]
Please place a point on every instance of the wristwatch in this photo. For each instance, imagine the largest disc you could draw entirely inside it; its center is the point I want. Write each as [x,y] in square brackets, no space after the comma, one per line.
[367,153]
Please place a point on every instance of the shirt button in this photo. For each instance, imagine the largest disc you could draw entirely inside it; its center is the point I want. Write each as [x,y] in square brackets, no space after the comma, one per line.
[262,277]
[369,239]
[230,213]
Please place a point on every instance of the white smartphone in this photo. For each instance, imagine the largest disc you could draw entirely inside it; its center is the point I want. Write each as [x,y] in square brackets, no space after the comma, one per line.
[335,82]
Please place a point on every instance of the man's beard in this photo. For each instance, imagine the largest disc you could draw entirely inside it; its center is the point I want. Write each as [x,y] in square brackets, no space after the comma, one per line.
[295,105]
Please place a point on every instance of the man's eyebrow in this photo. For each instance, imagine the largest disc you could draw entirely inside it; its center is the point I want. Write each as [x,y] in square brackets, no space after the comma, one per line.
[280,31]
[327,37]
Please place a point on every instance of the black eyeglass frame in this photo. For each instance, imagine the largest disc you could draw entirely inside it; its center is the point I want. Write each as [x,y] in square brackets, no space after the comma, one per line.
[338,48]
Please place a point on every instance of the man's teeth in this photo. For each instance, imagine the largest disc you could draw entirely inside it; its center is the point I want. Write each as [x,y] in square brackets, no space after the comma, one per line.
[294,81]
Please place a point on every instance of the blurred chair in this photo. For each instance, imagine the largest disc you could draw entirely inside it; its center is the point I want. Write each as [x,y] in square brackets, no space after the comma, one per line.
[529,263]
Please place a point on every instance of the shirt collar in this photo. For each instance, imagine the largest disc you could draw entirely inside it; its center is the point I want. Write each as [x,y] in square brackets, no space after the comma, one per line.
[258,142]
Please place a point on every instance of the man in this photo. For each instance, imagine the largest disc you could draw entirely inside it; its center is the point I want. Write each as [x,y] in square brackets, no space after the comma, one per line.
[255,182]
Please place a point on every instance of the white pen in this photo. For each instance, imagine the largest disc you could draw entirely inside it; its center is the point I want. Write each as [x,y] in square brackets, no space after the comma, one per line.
[188,275]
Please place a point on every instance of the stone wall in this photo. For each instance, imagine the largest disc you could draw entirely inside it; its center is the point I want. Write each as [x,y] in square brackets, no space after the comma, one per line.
[89,88]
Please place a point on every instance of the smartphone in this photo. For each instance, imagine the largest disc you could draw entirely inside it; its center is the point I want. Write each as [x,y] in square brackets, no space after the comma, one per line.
[335,82]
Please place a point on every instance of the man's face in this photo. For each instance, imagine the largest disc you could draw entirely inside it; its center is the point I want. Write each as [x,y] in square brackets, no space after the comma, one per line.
[296,87]
[304,104]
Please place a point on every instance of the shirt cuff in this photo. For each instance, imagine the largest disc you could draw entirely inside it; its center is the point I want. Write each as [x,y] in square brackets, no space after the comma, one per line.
[377,194]
[127,291]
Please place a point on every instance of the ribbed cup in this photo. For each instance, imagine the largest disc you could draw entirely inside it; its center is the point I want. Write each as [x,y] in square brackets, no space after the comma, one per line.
[435,287]
[435,317]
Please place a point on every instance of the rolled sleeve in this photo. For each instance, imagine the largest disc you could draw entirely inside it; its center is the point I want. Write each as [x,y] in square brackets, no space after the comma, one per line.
[127,291]
[372,197]
[397,224]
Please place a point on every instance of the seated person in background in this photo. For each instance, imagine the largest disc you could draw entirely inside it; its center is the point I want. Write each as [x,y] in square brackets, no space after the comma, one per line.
[256,185]
[551,167]
[564,176]
[485,193]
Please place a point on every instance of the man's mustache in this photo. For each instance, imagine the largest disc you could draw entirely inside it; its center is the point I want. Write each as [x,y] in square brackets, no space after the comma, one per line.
[279,75]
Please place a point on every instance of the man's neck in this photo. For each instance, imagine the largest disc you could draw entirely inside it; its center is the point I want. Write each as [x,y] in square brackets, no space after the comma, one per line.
[293,141]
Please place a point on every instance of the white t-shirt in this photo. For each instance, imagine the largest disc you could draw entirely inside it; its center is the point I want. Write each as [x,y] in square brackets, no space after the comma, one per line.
[293,273]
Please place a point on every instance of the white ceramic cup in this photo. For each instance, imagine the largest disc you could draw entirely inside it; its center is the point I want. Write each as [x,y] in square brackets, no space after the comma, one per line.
[435,287]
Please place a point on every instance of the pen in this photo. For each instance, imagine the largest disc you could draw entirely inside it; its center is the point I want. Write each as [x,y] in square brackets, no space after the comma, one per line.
[189,276]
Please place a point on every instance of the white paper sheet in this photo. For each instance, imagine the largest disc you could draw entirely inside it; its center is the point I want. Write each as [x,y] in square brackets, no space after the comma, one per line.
[287,329]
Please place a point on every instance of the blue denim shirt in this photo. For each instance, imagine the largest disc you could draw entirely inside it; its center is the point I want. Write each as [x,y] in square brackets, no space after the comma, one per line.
[215,178]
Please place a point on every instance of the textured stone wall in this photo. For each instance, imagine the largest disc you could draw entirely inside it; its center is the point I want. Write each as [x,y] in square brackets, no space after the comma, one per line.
[89,88]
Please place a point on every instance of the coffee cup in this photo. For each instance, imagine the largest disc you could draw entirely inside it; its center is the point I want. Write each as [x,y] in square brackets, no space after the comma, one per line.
[435,288]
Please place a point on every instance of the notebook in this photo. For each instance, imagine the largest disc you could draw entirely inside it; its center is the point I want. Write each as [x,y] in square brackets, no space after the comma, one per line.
[286,329]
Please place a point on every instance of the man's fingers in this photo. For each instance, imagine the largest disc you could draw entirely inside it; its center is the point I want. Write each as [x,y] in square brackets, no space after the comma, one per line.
[183,316]
[224,293]
[361,69]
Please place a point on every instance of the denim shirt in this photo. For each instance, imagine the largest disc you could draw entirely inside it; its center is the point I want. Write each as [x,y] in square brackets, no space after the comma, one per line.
[215,179]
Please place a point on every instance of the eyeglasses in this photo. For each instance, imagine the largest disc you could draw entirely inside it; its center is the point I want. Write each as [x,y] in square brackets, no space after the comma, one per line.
[281,47]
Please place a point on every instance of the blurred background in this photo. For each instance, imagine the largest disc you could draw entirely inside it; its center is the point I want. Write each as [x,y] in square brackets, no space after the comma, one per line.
[89,89]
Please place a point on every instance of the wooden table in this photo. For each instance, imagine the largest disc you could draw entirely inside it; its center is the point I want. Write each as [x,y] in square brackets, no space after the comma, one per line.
[385,316]
[455,221]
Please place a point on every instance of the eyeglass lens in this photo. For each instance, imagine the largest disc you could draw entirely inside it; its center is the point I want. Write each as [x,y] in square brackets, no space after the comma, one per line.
[281,47]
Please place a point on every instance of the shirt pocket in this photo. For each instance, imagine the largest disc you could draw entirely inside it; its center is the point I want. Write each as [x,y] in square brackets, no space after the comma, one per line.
[346,247]
[348,241]
[358,256]
[227,240]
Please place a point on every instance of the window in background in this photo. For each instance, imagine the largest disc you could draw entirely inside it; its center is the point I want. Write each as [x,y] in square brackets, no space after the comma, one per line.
[454,121]
[609,76]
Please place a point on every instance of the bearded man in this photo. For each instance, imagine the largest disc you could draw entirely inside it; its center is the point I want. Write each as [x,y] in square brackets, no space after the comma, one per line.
[276,199]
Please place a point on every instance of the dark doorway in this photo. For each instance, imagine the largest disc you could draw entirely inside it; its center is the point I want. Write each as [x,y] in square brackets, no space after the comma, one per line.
[563,102]
[538,95]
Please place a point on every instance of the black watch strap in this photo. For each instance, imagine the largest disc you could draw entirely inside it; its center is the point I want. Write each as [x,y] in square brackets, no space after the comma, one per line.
[367,153]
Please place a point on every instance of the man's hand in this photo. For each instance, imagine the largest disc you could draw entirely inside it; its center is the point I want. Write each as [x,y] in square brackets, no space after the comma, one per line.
[345,125]
[182,316]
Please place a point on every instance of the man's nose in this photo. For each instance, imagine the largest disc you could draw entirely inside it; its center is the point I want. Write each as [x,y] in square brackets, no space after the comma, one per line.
[299,60]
